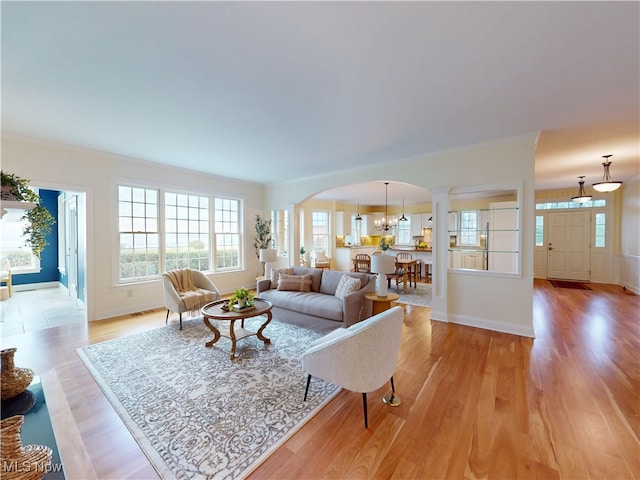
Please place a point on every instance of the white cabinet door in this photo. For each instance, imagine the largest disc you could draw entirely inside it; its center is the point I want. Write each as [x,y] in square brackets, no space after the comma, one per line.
[416,225]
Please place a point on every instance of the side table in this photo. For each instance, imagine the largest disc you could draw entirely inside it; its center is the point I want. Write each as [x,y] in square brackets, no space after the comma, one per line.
[380,304]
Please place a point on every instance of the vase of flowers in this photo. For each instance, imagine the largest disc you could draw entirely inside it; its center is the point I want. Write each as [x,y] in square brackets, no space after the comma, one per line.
[385,244]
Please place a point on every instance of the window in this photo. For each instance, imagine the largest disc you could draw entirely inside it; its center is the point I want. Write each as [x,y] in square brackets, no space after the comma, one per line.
[555,205]
[185,219]
[600,233]
[187,231]
[469,233]
[320,230]
[403,235]
[138,231]
[227,234]
[539,230]
[280,230]
[21,259]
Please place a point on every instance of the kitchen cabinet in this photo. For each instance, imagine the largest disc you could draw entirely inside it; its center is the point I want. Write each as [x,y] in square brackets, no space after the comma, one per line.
[343,223]
[420,221]
[344,257]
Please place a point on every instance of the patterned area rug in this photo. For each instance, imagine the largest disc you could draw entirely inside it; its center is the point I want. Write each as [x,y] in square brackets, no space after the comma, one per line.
[421,295]
[196,413]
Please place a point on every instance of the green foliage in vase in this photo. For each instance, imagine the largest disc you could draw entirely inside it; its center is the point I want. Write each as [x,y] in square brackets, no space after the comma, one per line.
[39,220]
[263,234]
[242,297]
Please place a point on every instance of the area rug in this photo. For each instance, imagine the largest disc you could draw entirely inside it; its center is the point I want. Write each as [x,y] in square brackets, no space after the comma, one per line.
[199,415]
[566,284]
[420,295]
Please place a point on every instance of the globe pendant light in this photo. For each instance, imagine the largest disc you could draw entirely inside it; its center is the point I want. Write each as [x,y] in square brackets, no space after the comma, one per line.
[582,197]
[606,185]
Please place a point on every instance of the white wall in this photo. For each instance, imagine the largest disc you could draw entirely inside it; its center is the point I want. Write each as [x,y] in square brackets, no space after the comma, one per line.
[55,166]
[486,301]
[628,261]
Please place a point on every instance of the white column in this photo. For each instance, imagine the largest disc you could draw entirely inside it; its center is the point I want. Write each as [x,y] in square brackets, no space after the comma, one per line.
[440,204]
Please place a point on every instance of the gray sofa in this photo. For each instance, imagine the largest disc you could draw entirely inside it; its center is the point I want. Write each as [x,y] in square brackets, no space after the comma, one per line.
[319,309]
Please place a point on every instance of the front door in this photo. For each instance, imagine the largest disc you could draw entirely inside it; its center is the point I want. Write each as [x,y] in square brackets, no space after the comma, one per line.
[568,244]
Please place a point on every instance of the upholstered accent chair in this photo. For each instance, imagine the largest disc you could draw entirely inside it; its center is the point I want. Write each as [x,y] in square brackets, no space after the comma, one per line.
[187,290]
[321,260]
[361,358]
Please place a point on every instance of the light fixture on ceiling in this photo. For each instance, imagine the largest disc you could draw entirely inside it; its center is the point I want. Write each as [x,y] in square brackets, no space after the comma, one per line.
[582,195]
[606,185]
[386,223]
[403,218]
[358,217]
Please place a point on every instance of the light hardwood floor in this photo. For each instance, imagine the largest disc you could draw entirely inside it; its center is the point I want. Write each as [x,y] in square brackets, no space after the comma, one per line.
[475,403]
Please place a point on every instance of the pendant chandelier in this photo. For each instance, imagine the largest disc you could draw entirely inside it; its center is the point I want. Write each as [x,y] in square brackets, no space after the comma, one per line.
[358,217]
[403,218]
[386,223]
[582,196]
[606,185]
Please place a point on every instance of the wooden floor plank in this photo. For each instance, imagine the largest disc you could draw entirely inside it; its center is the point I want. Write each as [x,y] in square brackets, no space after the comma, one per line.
[475,403]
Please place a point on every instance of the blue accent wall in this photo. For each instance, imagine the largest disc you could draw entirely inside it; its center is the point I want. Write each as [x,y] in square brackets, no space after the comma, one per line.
[49,258]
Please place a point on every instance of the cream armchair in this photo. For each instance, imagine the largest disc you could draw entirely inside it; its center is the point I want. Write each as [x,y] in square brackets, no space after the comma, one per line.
[187,290]
[320,259]
[360,358]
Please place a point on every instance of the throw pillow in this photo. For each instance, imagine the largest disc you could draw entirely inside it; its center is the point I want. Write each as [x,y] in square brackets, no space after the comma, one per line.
[346,285]
[275,274]
[295,283]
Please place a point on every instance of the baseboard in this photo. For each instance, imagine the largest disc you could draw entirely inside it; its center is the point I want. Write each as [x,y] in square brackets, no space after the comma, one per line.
[34,286]
[119,312]
[487,324]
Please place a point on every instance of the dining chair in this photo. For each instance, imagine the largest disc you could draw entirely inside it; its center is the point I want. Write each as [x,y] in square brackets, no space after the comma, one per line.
[411,272]
[362,263]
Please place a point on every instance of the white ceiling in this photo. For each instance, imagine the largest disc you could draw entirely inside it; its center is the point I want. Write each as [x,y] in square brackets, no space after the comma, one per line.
[308,87]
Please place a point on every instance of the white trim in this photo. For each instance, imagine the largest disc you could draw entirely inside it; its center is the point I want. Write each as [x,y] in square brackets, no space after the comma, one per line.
[487,324]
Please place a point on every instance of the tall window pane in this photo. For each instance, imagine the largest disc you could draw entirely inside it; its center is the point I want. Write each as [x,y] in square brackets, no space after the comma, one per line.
[227,233]
[469,233]
[187,231]
[280,230]
[600,233]
[138,233]
[320,230]
[539,230]
[403,234]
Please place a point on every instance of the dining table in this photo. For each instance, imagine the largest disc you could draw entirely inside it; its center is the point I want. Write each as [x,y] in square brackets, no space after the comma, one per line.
[408,265]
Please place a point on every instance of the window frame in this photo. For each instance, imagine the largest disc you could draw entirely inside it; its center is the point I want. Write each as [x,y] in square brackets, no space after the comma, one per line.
[238,236]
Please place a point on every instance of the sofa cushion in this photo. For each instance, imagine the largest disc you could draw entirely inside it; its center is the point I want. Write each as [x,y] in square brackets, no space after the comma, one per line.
[316,276]
[275,275]
[297,283]
[312,303]
[346,285]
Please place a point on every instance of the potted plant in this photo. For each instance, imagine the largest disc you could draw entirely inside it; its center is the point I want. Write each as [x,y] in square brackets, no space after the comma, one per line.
[302,252]
[263,235]
[241,299]
[39,220]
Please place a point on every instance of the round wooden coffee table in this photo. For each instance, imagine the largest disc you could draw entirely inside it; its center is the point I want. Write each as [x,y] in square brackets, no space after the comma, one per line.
[214,311]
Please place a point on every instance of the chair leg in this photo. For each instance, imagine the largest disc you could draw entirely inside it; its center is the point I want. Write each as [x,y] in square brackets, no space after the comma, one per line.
[180,321]
[306,390]
[364,405]
[390,398]
[166,320]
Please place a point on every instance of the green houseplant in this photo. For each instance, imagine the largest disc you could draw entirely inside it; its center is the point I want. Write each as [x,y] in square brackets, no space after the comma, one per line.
[39,220]
[241,297]
[263,234]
